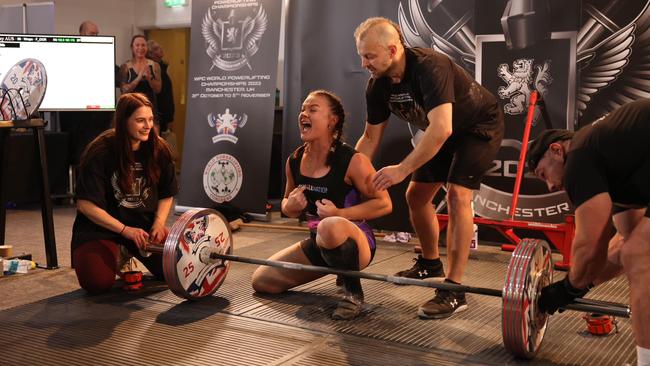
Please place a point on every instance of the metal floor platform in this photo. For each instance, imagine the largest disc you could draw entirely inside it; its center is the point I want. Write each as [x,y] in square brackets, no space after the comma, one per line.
[238,327]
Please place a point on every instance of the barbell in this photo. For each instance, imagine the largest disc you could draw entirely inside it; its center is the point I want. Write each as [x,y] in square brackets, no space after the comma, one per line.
[198,251]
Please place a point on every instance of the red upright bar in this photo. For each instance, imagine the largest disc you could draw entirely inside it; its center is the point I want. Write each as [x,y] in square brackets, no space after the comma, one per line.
[522,155]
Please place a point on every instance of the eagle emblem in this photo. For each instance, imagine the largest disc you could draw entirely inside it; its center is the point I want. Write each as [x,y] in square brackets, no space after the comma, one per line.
[613,65]
[459,46]
[231,42]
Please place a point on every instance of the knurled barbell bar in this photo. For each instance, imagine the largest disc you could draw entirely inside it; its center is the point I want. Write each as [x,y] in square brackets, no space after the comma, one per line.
[198,252]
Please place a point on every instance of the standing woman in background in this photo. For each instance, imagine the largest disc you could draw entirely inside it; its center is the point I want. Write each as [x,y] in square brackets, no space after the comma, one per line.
[140,74]
[125,190]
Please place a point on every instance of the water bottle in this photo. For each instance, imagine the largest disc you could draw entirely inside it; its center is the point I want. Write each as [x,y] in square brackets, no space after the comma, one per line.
[474,243]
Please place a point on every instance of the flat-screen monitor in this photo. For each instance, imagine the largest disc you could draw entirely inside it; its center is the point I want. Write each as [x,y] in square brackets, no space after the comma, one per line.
[80,69]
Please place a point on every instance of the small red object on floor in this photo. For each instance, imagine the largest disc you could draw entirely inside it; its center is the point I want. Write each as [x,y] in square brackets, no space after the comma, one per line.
[132,281]
[599,324]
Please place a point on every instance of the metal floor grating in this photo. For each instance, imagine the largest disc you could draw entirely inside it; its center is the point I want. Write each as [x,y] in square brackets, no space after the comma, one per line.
[238,327]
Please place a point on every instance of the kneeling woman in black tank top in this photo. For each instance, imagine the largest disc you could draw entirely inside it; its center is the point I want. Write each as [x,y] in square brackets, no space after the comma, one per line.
[330,183]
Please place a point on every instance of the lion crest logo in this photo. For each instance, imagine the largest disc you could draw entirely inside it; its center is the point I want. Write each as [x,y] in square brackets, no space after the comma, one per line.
[612,71]
[521,81]
[231,42]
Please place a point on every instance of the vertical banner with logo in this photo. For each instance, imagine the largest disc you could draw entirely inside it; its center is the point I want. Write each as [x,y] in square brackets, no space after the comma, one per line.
[549,68]
[231,102]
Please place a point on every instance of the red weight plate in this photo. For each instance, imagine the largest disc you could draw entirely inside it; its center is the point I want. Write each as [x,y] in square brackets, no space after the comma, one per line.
[523,325]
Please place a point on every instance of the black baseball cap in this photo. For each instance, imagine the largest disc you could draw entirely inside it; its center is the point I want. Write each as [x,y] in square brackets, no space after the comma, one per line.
[538,147]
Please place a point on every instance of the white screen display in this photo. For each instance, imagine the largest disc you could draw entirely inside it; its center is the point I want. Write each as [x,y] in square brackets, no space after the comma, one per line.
[80,69]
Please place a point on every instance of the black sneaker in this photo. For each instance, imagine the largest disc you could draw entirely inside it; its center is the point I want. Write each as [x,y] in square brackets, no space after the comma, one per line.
[422,271]
[443,305]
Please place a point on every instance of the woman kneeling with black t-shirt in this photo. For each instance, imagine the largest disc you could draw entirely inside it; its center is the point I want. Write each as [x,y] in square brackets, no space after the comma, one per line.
[125,189]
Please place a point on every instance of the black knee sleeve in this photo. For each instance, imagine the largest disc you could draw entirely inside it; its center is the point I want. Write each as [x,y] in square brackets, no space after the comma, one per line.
[345,256]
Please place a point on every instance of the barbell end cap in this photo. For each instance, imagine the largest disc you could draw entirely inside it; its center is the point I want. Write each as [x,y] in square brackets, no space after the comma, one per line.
[205,256]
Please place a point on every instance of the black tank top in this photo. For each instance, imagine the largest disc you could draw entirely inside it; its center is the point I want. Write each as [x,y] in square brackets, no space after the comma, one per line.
[332,185]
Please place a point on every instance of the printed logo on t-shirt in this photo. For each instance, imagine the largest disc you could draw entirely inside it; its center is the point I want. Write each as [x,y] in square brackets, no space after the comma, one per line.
[314,193]
[140,190]
[318,189]
[405,107]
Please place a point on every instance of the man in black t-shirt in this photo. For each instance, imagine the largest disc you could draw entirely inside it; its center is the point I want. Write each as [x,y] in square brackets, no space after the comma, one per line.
[463,128]
[605,170]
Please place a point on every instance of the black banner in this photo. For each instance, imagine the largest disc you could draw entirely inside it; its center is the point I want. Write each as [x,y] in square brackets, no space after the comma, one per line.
[231,92]
[549,68]
[612,56]
[592,59]
[321,53]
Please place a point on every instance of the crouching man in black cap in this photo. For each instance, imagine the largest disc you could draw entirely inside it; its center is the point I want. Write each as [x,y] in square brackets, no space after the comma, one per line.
[605,170]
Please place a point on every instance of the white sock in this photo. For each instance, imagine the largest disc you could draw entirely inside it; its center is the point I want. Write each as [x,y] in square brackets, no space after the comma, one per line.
[642,356]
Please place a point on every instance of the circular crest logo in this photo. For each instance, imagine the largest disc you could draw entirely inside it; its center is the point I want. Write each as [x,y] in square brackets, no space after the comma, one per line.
[222,178]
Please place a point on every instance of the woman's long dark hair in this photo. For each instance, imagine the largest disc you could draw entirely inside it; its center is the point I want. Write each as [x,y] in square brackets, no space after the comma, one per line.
[336,107]
[116,142]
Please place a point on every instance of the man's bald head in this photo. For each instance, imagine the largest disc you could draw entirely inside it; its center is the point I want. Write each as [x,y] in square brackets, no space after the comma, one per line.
[381,30]
[88,28]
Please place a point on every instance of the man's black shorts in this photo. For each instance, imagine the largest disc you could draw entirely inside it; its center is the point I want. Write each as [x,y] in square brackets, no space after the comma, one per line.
[465,158]
[617,208]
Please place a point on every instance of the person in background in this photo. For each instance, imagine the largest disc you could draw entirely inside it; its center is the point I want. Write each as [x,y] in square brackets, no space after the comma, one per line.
[140,74]
[165,97]
[88,28]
